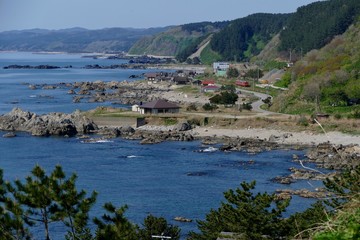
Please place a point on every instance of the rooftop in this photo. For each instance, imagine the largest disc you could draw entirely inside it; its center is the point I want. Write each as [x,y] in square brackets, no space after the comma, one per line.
[159,104]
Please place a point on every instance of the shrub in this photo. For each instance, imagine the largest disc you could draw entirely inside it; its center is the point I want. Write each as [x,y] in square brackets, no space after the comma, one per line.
[355,114]
[337,116]
[246,106]
[194,122]
[170,121]
[209,107]
[192,107]
[302,121]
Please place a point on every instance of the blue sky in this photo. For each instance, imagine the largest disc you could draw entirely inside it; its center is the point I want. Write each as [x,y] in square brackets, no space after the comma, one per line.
[97,14]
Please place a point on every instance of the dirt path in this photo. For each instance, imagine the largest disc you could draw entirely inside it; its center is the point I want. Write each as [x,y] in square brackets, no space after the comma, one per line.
[198,52]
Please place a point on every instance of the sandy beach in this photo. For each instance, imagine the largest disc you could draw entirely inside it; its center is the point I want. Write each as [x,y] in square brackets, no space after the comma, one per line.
[285,137]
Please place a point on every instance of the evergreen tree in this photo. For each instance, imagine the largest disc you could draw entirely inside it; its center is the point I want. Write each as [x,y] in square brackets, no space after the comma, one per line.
[37,198]
[252,216]
[157,226]
[72,206]
[345,187]
[114,225]
[53,198]
[11,223]
[225,97]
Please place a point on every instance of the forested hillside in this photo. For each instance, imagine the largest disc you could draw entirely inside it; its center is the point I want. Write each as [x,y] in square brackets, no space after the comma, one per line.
[315,25]
[326,80]
[176,40]
[73,40]
[310,27]
[246,37]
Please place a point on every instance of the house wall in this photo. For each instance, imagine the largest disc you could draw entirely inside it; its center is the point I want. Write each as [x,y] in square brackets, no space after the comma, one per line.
[221,73]
[158,111]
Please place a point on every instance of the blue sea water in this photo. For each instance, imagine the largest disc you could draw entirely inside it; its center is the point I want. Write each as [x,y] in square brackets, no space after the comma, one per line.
[168,179]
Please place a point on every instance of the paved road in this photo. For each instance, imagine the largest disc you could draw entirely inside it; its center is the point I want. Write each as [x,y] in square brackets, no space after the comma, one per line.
[256,105]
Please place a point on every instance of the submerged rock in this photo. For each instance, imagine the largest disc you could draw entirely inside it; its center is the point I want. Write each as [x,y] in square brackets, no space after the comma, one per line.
[182,219]
[9,135]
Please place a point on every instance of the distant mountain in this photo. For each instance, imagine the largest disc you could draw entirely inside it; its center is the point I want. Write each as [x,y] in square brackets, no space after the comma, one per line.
[263,35]
[237,40]
[74,39]
[176,39]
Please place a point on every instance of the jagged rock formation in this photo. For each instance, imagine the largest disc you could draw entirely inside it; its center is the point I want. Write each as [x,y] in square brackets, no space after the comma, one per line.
[60,124]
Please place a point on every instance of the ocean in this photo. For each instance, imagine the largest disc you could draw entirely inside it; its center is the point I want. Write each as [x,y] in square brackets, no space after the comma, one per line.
[166,180]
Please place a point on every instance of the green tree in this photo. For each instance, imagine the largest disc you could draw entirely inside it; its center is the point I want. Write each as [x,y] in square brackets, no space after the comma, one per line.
[37,197]
[72,206]
[11,223]
[157,226]
[115,225]
[232,73]
[344,187]
[224,97]
[53,198]
[252,216]
[230,88]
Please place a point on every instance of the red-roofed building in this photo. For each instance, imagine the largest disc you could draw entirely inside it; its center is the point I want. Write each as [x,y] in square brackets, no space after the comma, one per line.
[159,106]
[208,82]
[210,88]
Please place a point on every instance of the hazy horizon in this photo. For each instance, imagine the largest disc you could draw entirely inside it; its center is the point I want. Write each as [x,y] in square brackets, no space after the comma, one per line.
[138,14]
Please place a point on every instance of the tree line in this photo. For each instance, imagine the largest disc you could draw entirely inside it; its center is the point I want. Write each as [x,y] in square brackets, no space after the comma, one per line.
[316,24]
[42,199]
[246,37]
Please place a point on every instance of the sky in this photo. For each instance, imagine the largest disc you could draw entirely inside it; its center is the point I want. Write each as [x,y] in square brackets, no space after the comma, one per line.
[98,14]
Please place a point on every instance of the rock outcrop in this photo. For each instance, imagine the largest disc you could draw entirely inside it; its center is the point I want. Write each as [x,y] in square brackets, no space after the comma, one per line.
[152,137]
[248,144]
[60,124]
[330,156]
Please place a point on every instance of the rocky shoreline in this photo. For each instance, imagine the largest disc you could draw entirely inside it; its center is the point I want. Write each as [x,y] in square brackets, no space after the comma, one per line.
[93,66]
[325,155]
[117,92]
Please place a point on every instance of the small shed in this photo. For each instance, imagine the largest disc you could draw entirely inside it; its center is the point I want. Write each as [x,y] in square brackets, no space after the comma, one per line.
[151,77]
[159,106]
[135,108]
